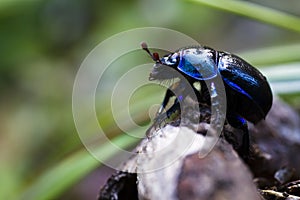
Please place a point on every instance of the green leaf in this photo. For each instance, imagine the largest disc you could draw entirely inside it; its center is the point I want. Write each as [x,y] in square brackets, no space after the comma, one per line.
[273,55]
[56,180]
[255,11]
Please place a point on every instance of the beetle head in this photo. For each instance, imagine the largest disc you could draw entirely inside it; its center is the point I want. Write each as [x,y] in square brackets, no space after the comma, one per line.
[198,63]
[161,70]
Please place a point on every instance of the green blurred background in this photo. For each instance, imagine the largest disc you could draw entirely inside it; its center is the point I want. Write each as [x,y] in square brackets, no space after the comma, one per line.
[43,42]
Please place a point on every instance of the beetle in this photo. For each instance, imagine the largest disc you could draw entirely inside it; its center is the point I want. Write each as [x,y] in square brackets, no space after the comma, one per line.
[248,93]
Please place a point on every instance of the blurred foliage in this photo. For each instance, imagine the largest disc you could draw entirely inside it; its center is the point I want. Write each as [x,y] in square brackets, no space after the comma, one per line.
[43,42]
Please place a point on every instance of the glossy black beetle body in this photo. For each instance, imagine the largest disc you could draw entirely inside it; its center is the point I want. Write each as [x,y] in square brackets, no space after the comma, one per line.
[248,93]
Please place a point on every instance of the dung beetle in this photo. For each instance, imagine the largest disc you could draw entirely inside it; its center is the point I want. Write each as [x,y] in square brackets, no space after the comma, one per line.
[248,93]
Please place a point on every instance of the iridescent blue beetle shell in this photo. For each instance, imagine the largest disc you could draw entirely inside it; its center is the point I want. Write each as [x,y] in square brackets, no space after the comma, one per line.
[248,92]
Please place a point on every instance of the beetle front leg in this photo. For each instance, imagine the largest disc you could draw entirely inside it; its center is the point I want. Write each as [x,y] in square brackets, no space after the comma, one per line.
[205,95]
[169,94]
[160,116]
[178,88]
[172,113]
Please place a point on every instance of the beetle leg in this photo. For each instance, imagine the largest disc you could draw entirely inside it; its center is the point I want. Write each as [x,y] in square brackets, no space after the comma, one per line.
[166,100]
[205,95]
[237,121]
[172,113]
[174,110]
[160,116]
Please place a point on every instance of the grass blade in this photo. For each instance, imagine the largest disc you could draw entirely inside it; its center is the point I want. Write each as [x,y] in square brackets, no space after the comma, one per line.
[61,177]
[255,11]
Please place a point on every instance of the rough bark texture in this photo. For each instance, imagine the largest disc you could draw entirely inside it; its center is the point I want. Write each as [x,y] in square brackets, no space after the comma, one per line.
[276,143]
[273,169]
[222,176]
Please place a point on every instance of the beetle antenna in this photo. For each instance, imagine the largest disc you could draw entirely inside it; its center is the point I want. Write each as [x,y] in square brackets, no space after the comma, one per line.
[154,56]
